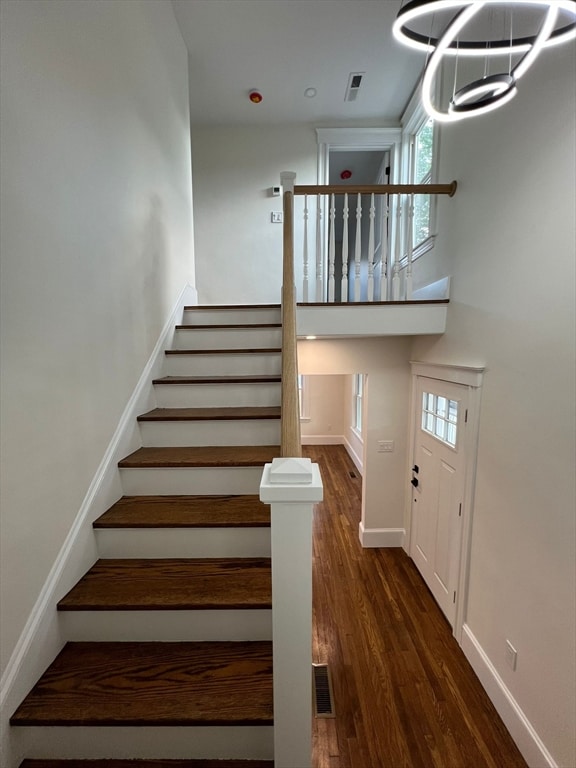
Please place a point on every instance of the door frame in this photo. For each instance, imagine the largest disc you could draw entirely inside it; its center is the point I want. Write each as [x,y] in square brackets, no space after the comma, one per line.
[472,378]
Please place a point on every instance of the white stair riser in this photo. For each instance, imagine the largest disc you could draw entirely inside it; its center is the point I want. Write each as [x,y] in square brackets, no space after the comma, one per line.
[181,742]
[198,433]
[234,316]
[217,395]
[183,542]
[223,364]
[166,626]
[211,481]
[227,338]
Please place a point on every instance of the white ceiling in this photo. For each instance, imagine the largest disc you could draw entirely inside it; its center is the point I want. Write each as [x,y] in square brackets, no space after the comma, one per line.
[282,47]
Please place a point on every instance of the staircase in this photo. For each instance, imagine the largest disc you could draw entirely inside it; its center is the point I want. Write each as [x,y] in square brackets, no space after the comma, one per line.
[169,653]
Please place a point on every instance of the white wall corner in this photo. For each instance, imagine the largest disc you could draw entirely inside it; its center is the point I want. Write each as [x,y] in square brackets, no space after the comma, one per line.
[527,740]
[41,640]
[381,537]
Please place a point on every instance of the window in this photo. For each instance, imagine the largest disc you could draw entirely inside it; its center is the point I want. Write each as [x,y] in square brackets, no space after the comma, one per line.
[422,153]
[303,398]
[358,394]
[419,151]
[440,417]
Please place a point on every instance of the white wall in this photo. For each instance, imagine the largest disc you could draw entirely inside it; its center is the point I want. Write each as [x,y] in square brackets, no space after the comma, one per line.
[96,246]
[238,249]
[510,235]
[385,360]
[326,407]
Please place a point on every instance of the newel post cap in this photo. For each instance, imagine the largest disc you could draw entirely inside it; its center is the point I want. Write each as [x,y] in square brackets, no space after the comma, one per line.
[287,179]
[291,479]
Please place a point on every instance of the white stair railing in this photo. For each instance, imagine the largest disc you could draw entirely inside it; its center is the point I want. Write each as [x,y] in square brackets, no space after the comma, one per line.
[394,218]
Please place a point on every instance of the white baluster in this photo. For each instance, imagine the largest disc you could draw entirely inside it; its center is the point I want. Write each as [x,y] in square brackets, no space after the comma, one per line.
[305,252]
[319,286]
[331,251]
[370,295]
[410,247]
[384,252]
[344,288]
[397,252]
[358,248]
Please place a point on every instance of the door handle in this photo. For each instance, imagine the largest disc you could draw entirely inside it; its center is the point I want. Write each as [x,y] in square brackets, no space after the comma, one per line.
[414,482]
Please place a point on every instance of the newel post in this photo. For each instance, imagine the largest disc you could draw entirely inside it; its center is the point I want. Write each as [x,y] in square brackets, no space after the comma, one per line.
[292,486]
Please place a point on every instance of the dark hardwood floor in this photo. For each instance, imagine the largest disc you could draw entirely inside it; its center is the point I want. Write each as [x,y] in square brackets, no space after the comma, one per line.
[404,694]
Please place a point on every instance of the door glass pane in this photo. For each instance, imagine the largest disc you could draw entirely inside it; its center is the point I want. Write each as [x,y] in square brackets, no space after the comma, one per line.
[440,417]
[440,429]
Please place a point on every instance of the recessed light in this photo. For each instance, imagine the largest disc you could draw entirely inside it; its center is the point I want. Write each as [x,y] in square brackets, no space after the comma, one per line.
[310,93]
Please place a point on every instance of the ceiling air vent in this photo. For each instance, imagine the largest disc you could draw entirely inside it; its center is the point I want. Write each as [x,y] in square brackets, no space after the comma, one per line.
[353,88]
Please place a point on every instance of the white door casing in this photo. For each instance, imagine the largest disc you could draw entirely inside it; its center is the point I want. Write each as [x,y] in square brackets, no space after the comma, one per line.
[438,489]
[440,505]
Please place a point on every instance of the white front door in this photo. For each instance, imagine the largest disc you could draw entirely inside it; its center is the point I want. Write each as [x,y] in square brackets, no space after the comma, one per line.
[438,472]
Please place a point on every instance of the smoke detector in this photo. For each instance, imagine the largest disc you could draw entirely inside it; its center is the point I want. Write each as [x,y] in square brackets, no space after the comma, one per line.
[353,87]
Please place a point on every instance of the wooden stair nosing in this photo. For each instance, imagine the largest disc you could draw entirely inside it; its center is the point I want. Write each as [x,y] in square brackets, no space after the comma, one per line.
[224,456]
[228,327]
[209,307]
[186,512]
[243,351]
[145,763]
[264,378]
[153,683]
[174,584]
[242,413]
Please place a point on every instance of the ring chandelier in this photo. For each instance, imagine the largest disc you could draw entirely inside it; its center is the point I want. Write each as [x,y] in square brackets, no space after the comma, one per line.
[556,22]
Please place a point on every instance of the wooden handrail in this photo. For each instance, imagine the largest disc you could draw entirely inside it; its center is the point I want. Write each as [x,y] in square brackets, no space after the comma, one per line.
[377,189]
[290,444]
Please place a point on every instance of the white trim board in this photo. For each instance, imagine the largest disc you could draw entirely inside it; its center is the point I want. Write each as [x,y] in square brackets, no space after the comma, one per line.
[527,740]
[41,640]
[381,537]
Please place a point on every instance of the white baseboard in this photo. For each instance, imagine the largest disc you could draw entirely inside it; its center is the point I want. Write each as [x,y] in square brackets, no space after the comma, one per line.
[529,743]
[41,639]
[354,456]
[322,439]
[381,537]
[334,440]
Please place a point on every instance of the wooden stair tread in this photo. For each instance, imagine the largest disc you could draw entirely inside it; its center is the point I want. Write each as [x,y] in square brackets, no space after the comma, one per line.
[208,307]
[172,584]
[156,684]
[253,351]
[263,378]
[212,414]
[227,326]
[186,512]
[135,763]
[201,456]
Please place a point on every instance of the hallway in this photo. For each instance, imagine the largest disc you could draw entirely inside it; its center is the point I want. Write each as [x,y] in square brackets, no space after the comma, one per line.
[404,694]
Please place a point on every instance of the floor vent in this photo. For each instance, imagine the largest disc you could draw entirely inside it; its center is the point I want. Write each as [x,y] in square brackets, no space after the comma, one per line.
[322,691]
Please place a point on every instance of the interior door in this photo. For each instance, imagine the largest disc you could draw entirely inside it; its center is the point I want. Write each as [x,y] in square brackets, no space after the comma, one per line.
[438,487]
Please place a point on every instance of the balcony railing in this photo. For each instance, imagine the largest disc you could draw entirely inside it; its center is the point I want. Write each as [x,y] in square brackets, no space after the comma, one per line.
[354,243]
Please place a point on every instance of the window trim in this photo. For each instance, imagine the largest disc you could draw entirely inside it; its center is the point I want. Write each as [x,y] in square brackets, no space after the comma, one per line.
[358,383]
[413,119]
[304,397]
